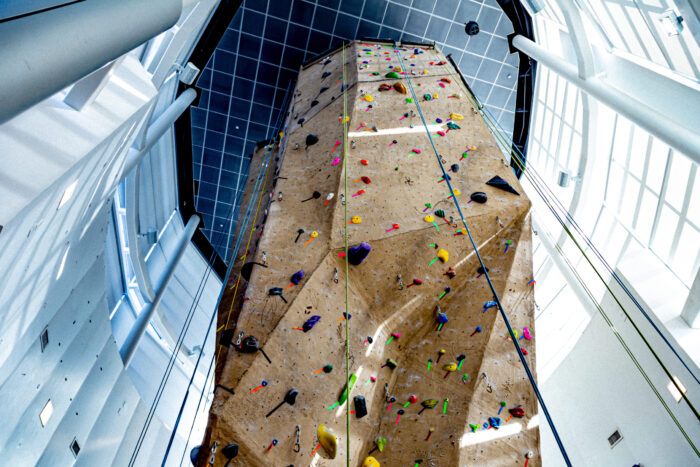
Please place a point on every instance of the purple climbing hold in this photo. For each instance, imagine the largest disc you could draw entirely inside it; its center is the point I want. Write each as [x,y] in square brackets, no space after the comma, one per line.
[311,322]
[297,277]
[357,254]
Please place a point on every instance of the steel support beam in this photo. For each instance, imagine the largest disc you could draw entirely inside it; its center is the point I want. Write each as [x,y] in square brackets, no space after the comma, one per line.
[667,122]
[137,331]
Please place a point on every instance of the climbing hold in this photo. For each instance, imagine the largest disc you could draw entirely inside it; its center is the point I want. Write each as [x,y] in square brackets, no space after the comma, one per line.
[360,406]
[440,213]
[328,440]
[364,179]
[495,422]
[498,182]
[364,162]
[526,334]
[379,443]
[354,220]
[451,273]
[314,195]
[432,220]
[517,411]
[393,227]
[415,282]
[471,28]
[323,89]
[482,270]
[409,100]
[301,121]
[347,388]
[455,116]
[311,139]
[289,398]
[297,276]
[454,167]
[399,87]
[450,366]
[443,255]
[392,75]
[390,363]
[442,318]
[310,323]
[357,254]
[400,412]
[428,404]
[370,462]
[313,103]
[478,329]
[427,97]
[385,87]
[446,80]
[453,126]
[479,197]
[325,74]
[441,352]
[368,98]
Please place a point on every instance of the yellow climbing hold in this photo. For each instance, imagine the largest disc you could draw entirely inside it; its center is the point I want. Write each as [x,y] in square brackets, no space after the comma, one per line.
[443,255]
[314,234]
[328,439]
[356,219]
[370,462]
[369,98]
[429,219]
[455,116]
[450,366]
[435,96]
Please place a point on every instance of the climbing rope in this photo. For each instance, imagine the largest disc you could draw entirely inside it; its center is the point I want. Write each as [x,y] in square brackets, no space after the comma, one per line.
[530,376]
[347,294]
[266,160]
[538,183]
[550,198]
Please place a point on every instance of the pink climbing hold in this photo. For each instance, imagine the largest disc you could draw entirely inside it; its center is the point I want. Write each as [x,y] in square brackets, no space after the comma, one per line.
[441,133]
[336,161]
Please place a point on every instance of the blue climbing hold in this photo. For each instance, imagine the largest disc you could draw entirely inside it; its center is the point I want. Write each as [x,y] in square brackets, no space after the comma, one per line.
[310,323]
[357,254]
[297,277]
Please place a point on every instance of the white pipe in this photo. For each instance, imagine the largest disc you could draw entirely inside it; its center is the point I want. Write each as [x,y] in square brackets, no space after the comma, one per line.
[45,52]
[158,128]
[137,331]
[651,120]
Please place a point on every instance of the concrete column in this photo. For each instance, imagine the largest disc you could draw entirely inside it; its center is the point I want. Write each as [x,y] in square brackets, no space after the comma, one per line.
[131,342]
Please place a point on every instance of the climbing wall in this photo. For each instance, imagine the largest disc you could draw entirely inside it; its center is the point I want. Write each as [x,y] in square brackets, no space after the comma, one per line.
[421,271]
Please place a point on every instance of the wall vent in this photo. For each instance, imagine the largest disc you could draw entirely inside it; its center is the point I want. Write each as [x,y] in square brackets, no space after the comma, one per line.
[74,447]
[614,438]
[44,338]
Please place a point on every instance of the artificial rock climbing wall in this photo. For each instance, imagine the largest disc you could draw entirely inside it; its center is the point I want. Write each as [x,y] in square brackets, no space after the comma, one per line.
[387,144]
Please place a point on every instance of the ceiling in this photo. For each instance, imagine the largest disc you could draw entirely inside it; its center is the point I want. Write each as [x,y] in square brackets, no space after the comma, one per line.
[245,82]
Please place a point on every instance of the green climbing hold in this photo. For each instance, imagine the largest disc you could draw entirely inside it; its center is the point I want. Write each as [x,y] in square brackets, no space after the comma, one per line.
[376,73]
[409,100]
[440,213]
[453,126]
[427,97]
[393,75]
[380,443]
[344,396]
[328,440]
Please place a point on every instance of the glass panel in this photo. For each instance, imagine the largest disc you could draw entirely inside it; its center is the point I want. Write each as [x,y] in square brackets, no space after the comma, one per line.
[684,260]
[657,165]
[666,229]
[647,211]
[677,181]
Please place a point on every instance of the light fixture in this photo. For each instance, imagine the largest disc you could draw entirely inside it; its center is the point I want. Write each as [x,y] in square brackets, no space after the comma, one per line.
[671,23]
[673,389]
[151,236]
[565,178]
[63,262]
[471,28]
[67,194]
[46,413]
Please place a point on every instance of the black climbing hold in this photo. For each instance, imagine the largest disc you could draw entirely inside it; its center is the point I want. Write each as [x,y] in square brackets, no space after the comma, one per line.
[314,195]
[289,398]
[498,182]
[314,103]
[479,197]
[369,339]
[325,74]
[471,28]
[311,139]
[481,270]
[301,121]
[277,291]
[357,254]
[227,337]
[455,167]
[230,451]
[360,406]
[323,89]
[250,345]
